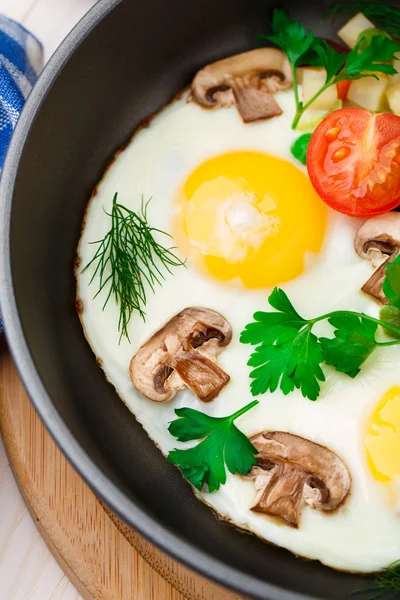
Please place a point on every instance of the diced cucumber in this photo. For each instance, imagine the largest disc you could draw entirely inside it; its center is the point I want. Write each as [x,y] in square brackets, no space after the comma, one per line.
[311,118]
[393,97]
[369,93]
[313,80]
[350,32]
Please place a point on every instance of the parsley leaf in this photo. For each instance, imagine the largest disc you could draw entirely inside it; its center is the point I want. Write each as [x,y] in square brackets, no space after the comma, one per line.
[371,55]
[290,36]
[354,341]
[293,363]
[279,300]
[289,354]
[370,60]
[269,328]
[326,57]
[391,285]
[223,444]
[391,315]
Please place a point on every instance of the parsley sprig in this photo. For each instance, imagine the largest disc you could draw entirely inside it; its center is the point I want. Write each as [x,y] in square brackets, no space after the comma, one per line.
[289,355]
[293,39]
[391,287]
[223,444]
[302,47]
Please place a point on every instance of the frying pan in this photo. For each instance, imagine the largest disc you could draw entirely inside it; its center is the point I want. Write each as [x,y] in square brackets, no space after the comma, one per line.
[124,61]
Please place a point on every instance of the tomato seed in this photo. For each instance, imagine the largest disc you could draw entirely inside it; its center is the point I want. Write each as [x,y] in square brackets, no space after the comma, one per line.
[332,134]
[395,167]
[340,154]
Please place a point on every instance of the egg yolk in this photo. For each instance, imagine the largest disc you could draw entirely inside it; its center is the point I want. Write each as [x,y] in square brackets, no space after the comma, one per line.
[251,216]
[383,438]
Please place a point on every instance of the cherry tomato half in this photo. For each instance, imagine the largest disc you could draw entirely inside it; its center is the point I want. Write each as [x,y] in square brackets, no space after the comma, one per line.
[353,161]
[343,89]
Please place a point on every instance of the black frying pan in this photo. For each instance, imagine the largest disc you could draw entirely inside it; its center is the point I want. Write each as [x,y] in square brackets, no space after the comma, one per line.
[124,61]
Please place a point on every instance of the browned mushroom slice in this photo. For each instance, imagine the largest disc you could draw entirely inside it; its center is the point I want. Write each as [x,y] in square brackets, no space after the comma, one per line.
[249,79]
[374,285]
[253,103]
[183,353]
[378,240]
[291,471]
[202,375]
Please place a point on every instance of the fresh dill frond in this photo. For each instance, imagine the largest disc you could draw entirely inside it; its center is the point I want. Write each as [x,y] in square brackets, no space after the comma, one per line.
[385,584]
[384,16]
[129,261]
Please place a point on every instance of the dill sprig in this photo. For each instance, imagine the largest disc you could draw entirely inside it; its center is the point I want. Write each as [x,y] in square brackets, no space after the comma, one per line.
[385,583]
[385,16]
[128,259]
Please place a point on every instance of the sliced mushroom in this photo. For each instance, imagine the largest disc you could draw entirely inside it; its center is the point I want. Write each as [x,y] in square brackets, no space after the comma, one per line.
[291,471]
[201,374]
[249,79]
[183,353]
[378,240]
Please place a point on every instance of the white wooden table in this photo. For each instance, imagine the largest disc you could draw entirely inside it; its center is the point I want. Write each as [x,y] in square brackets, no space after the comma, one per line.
[27,569]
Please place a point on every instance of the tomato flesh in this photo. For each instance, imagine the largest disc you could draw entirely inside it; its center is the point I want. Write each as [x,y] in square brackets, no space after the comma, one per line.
[343,89]
[353,161]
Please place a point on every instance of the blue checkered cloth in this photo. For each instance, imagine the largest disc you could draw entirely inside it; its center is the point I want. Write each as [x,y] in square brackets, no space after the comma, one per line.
[21,59]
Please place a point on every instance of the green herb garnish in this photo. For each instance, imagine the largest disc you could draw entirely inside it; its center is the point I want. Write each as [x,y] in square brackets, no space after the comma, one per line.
[128,259]
[223,444]
[385,583]
[290,355]
[380,48]
[391,287]
[302,47]
[300,146]
[386,16]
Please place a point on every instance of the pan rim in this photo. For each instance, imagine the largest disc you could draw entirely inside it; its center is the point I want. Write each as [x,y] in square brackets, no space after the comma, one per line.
[172,544]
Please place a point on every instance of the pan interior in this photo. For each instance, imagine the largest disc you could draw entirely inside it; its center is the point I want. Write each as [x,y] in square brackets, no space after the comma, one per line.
[128,67]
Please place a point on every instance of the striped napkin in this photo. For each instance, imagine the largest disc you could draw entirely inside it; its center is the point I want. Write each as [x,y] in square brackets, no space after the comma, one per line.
[21,60]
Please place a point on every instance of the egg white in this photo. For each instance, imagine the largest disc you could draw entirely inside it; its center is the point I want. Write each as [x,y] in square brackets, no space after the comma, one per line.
[364,534]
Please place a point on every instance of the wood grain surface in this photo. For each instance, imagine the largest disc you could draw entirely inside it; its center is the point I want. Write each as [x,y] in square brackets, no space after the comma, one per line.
[103,557]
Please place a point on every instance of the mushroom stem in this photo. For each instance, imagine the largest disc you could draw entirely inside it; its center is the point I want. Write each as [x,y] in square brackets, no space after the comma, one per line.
[254,104]
[205,378]
[283,495]
[292,471]
[249,80]
[374,285]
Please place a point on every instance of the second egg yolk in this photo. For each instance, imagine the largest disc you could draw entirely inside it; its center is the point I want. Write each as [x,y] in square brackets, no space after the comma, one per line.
[251,216]
[383,438]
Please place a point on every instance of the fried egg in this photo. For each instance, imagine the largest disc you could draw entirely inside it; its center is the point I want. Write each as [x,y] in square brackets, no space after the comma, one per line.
[239,219]
[244,214]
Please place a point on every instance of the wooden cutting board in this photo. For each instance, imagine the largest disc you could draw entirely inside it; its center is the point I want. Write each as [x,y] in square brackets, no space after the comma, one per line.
[103,557]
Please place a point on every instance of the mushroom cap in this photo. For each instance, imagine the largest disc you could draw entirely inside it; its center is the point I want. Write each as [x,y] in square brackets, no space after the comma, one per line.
[292,470]
[378,237]
[154,369]
[378,240]
[212,85]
